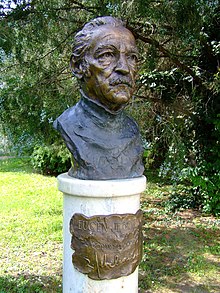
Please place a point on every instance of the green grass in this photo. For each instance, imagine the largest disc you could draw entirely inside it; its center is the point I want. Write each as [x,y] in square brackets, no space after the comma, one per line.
[181,250]
[31,230]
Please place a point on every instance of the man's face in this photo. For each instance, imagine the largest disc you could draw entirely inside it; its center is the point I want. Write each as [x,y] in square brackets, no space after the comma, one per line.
[112,65]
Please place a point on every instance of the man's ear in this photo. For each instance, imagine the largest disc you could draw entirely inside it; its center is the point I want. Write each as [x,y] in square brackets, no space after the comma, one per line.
[79,69]
[76,68]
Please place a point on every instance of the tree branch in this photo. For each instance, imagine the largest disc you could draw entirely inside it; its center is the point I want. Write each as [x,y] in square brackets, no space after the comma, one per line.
[176,61]
[22,11]
[39,58]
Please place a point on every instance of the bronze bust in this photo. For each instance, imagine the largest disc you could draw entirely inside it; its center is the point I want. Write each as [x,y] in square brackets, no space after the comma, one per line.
[104,142]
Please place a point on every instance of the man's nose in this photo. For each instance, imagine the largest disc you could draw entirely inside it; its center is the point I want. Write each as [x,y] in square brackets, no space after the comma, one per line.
[122,65]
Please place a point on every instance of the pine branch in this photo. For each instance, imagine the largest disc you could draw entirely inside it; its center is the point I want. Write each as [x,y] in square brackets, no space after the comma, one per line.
[167,53]
[41,57]
[21,12]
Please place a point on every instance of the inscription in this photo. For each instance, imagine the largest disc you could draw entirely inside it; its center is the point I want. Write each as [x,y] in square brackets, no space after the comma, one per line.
[91,226]
[106,247]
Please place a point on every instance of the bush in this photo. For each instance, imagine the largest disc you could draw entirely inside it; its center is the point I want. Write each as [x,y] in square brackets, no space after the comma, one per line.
[207,179]
[201,189]
[184,197]
[51,159]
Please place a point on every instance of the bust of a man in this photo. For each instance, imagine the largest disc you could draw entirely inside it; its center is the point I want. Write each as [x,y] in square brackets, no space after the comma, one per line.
[104,142]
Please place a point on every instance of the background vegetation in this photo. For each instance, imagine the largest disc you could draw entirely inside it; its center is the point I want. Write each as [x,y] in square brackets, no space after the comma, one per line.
[176,104]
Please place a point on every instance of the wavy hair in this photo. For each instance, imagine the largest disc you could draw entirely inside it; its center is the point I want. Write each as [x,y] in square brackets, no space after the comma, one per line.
[82,40]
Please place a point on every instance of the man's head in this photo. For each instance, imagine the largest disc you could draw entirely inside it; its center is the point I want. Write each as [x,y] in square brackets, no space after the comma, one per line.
[104,59]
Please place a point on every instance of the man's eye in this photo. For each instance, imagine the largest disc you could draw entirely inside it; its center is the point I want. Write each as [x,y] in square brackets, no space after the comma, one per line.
[106,55]
[133,57]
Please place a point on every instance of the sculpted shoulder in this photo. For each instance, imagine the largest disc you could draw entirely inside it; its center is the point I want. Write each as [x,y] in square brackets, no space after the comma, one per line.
[68,117]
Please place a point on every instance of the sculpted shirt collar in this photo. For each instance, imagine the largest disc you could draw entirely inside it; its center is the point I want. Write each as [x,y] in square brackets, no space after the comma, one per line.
[99,114]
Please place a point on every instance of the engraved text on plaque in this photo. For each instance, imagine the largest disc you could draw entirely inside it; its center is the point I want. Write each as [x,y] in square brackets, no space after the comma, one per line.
[106,247]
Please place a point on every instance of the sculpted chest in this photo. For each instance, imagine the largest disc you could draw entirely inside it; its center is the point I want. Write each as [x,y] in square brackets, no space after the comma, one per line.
[102,146]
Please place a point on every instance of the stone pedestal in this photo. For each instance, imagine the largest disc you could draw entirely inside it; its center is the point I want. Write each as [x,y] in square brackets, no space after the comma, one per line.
[90,198]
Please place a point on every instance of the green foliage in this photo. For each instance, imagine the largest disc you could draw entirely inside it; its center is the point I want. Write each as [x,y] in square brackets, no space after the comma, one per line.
[4,144]
[36,85]
[184,197]
[177,99]
[206,182]
[201,189]
[51,160]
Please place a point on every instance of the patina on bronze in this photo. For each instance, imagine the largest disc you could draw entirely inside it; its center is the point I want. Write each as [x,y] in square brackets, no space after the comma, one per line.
[106,247]
[104,142]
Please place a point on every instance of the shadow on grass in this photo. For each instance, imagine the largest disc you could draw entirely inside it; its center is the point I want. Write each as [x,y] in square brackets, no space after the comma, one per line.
[172,255]
[30,283]
[16,165]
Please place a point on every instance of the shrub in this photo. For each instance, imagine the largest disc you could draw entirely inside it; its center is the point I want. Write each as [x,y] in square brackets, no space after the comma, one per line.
[203,190]
[184,197]
[51,159]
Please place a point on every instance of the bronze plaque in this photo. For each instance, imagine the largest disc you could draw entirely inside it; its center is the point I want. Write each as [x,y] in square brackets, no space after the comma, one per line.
[106,247]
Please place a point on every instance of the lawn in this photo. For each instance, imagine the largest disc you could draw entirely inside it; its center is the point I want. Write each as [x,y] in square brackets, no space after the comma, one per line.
[31,230]
[181,250]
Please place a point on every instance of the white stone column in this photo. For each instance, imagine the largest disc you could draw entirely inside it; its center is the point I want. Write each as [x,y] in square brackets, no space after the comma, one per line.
[97,197]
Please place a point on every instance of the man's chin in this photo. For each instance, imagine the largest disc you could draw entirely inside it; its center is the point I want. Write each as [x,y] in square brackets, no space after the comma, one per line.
[121,97]
[117,101]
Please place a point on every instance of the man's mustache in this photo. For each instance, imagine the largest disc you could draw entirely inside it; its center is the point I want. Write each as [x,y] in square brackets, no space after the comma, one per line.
[121,80]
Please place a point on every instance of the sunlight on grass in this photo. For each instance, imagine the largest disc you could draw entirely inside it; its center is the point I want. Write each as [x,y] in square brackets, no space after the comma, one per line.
[181,249]
[30,205]
[31,230]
